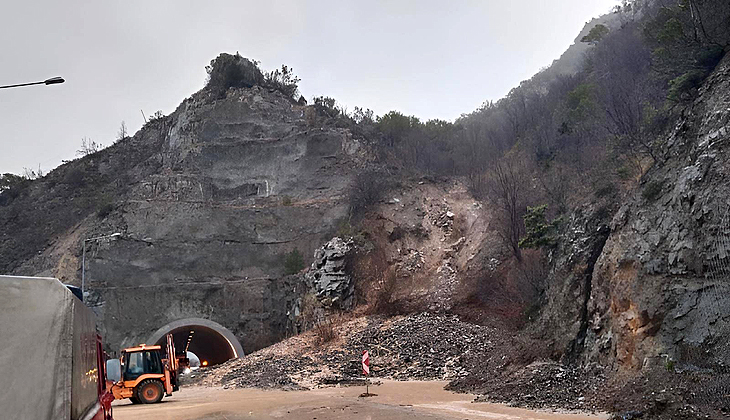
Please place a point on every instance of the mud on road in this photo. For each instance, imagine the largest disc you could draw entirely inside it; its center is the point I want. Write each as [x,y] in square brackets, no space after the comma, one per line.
[394,400]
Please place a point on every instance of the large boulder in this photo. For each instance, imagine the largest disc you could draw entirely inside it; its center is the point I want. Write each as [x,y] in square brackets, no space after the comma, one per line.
[327,278]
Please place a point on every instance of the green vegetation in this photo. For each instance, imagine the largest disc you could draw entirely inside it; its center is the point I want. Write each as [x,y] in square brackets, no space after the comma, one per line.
[606,190]
[652,190]
[10,181]
[293,262]
[684,87]
[367,190]
[105,210]
[687,41]
[11,186]
[596,34]
[581,103]
[539,232]
[284,81]
[326,106]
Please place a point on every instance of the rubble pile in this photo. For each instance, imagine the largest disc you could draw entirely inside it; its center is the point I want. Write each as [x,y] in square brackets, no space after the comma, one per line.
[422,346]
[543,384]
[411,262]
[475,359]
[257,371]
[442,216]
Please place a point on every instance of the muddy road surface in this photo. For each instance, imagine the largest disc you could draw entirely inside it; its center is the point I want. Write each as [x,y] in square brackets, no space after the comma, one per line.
[394,400]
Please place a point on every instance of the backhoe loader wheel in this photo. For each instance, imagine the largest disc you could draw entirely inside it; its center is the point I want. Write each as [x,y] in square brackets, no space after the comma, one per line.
[149,391]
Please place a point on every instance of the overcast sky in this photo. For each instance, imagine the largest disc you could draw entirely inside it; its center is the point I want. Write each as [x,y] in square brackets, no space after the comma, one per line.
[432,59]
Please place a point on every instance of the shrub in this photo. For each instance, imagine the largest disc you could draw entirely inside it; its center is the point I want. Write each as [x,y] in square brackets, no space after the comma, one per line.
[512,291]
[286,200]
[602,213]
[345,229]
[326,330]
[326,106]
[293,262]
[394,126]
[596,34]
[709,57]
[683,87]
[581,104]
[539,232]
[232,71]
[11,186]
[367,190]
[105,210]
[363,116]
[284,81]
[652,190]
[624,173]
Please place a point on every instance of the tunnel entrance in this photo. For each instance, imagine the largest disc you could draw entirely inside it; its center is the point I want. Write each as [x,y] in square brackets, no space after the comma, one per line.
[210,341]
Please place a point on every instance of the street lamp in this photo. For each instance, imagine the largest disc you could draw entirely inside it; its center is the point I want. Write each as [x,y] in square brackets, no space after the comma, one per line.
[83,256]
[51,81]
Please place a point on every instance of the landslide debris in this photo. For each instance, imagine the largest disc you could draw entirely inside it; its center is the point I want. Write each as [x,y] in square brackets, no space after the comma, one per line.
[481,360]
[423,347]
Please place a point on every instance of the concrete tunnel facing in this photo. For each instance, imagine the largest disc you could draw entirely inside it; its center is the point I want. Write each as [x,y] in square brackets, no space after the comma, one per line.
[210,341]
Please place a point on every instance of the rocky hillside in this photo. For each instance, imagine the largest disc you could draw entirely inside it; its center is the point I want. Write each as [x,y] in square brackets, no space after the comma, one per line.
[584,221]
[209,200]
[662,277]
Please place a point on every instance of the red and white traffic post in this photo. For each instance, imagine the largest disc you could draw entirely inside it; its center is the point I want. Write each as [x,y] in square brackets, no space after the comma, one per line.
[366,369]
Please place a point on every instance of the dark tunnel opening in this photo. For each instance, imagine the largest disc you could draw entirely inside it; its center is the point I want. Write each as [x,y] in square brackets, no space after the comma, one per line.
[209,345]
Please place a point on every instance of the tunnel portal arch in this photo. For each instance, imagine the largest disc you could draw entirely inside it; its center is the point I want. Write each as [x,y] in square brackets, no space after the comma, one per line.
[210,340]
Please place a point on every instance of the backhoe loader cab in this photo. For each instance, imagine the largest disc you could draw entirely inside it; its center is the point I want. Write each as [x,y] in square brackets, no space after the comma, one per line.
[145,376]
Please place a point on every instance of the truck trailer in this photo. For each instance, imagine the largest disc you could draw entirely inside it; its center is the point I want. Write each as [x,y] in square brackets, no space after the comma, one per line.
[51,357]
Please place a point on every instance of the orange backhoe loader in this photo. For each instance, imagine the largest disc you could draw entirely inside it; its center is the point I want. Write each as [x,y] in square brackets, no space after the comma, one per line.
[144,376]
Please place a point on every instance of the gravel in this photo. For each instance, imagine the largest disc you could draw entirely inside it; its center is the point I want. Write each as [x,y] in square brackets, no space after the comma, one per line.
[475,359]
[423,347]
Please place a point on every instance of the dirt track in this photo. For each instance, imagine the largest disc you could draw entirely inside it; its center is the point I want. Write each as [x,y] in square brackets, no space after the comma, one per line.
[395,400]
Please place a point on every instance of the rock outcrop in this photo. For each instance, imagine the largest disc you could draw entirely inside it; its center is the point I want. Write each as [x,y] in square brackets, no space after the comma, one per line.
[661,284]
[327,279]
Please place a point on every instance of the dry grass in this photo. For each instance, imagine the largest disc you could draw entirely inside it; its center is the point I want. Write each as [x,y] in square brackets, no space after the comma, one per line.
[327,330]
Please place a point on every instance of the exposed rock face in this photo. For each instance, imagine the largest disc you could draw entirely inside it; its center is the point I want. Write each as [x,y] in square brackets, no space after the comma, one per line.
[327,278]
[208,201]
[565,316]
[662,282]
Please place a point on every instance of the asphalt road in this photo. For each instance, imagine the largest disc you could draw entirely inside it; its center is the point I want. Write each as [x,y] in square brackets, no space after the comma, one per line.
[394,400]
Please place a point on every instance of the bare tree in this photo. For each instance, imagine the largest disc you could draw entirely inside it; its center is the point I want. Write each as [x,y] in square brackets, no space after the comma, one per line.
[31,174]
[88,147]
[507,189]
[122,133]
[627,93]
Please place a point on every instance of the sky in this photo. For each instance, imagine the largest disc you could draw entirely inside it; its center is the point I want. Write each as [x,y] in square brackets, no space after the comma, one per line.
[431,59]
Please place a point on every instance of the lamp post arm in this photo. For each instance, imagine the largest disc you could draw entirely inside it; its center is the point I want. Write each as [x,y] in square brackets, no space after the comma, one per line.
[22,84]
